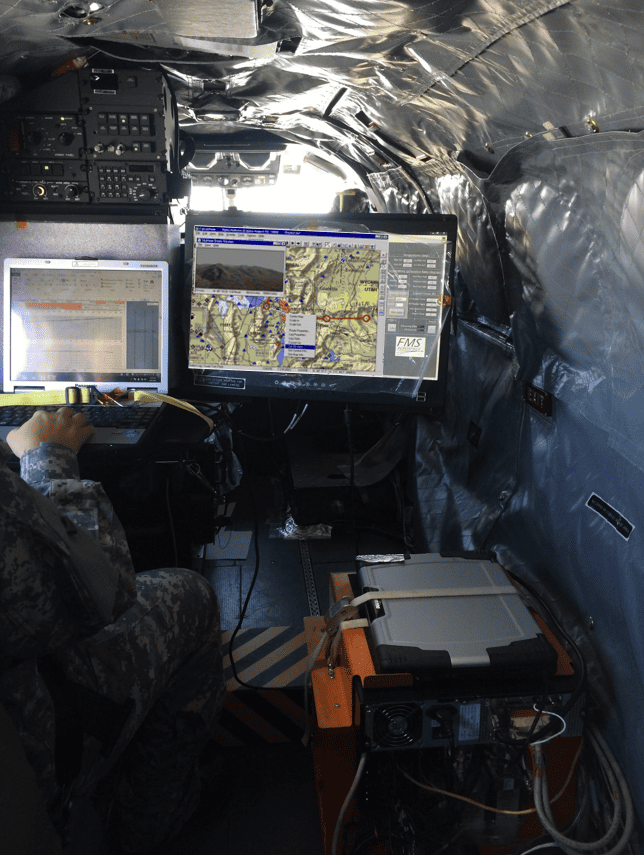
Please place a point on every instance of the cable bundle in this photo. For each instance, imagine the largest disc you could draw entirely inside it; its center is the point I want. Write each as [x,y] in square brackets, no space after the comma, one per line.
[623,817]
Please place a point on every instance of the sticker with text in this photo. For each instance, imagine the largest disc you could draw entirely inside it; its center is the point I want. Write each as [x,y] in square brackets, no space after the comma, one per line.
[619,523]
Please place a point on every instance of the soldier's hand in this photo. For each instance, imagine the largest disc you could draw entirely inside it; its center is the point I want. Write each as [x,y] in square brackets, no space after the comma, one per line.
[63,426]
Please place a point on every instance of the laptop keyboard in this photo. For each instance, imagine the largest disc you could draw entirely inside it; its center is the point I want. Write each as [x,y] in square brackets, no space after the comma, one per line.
[113,425]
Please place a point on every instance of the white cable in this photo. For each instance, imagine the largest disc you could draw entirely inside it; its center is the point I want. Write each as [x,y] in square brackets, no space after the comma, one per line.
[602,747]
[347,802]
[544,805]
[541,846]
[307,677]
[617,783]
[296,419]
[542,811]
[550,738]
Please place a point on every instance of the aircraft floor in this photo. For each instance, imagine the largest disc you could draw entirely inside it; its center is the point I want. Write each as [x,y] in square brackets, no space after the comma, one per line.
[271,807]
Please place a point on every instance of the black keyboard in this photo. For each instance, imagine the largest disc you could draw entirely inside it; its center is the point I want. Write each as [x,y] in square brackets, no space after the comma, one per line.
[112,425]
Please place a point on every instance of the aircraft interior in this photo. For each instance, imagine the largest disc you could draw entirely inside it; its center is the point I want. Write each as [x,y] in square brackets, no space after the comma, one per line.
[352,291]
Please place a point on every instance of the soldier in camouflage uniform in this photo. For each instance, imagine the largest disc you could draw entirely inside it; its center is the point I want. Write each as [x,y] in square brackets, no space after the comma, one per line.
[68,589]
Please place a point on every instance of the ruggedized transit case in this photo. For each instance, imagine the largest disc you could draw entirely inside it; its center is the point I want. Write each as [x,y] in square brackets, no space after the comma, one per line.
[484,634]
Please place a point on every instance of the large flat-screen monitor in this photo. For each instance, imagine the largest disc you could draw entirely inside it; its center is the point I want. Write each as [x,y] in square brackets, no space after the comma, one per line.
[341,307]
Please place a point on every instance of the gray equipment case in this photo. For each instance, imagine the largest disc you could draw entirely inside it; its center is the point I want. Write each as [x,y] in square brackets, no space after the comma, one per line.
[430,635]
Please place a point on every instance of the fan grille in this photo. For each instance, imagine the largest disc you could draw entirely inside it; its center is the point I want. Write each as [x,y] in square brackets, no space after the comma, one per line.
[397,725]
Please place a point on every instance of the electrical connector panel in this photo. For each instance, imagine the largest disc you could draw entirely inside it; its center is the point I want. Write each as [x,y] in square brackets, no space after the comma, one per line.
[432,723]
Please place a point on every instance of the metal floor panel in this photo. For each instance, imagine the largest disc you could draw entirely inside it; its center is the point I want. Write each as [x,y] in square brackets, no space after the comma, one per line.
[280,596]
[274,785]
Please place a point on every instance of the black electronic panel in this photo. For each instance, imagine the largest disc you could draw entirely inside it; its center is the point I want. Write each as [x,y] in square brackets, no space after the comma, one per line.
[98,136]
[338,307]
[427,721]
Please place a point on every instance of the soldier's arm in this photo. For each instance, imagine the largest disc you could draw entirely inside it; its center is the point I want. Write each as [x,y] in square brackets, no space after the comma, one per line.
[47,446]
[43,603]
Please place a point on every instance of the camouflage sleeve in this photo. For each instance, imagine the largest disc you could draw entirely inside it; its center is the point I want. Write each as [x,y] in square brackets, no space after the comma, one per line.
[42,606]
[52,469]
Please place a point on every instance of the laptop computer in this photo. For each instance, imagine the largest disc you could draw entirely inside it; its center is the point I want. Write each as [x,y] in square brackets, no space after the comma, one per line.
[451,634]
[101,323]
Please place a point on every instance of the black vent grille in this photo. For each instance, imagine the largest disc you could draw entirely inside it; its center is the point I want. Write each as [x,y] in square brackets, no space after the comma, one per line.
[397,725]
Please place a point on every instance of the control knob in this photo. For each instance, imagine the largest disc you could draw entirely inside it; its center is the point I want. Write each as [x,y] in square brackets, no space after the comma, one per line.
[144,194]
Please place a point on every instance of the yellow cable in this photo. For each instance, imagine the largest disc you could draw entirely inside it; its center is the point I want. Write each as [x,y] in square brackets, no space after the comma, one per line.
[498,810]
[155,397]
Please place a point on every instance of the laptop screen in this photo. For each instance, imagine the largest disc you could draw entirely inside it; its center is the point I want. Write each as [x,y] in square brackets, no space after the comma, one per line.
[85,321]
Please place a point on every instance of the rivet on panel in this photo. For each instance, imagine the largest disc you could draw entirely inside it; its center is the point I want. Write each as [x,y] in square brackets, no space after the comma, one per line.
[592,124]
[528,134]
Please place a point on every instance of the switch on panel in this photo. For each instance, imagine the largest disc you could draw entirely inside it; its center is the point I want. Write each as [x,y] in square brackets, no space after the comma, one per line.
[538,399]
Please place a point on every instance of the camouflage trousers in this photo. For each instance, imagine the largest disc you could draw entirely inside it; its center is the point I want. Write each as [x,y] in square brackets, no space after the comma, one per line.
[165,654]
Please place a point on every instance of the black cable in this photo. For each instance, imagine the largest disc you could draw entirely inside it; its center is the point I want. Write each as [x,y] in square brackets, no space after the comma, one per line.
[352,477]
[189,148]
[597,774]
[148,60]
[258,438]
[581,787]
[174,166]
[520,745]
[550,727]
[399,494]
[385,152]
[247,600]
[174,539]
[333,102]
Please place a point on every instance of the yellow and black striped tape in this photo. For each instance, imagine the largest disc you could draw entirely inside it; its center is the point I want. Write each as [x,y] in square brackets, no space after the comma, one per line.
[270,658]
[273,657]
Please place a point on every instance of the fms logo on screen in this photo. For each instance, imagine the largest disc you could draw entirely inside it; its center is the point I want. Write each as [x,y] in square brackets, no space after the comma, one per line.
[410,346]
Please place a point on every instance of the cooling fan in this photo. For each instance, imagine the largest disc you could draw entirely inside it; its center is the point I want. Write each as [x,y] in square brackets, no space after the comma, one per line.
[397,725]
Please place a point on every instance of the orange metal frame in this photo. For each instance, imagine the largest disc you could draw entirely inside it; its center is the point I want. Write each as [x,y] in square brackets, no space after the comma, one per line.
[334,736]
